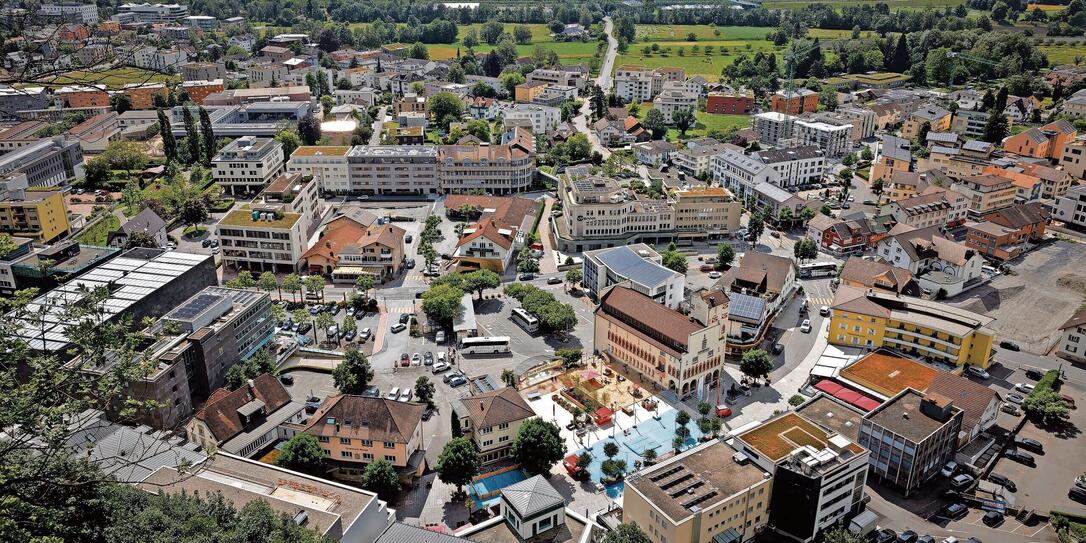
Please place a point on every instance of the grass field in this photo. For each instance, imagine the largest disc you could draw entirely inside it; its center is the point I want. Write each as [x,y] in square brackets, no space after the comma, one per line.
[99,233]
[1045,7]
[114,78]
[1063,53]
[569,52]
[706,122]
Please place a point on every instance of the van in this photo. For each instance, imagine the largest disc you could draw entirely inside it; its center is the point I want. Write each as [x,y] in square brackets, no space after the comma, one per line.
[440,337]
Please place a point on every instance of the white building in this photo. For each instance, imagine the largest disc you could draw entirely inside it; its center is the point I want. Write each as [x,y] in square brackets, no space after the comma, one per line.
[640,266]
[201,22]
[393,169]
[936,262]
[327,164]
[159,59]
[533,507]
[544,119]
[154,13]
[1071,207]
[247,164]
[74,12]
[834,140]
[639,84]
[672,100]
[273,233]
[1072,344]
[772,127]
[598,213]
[740,173]
[558,76]
[795,166]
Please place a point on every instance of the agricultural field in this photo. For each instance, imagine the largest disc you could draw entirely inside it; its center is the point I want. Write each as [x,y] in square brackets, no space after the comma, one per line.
[1064,53]
[1045,7]
[114,79]
[726,43]
[569,52]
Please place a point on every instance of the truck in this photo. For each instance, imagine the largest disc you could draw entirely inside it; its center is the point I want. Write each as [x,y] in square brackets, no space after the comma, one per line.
[864,523]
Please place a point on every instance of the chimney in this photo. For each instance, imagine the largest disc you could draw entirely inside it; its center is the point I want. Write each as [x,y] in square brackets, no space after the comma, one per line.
[250,382]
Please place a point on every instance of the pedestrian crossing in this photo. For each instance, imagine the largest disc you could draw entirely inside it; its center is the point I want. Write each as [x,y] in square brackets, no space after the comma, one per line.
[418,277]
[819,300]
[409,309]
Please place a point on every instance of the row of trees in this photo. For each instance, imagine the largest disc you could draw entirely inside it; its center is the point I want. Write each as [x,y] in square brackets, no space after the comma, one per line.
[552,314]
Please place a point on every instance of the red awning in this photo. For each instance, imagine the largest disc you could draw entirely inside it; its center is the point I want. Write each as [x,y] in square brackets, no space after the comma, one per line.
[829,387]
[850,396]
[867,404]
[603,415]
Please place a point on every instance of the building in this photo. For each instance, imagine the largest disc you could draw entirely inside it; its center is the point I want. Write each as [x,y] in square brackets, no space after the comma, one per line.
[937,119]
[532,507]
[526,92]
[37,214]
[47,266]
[660,344]
[246,420]
[21,135]
[771,127]
[728,499]
[1071,207]
[491,420]
[923,328]
[336,511]
[487,244]
[795,102]
[986,192]
[145,222]
[348,249]
[159,59]
[496,169]
[634,266]
[326,164]
[705,212]
[200,89]
[734,103]
[942,267]
[142,95]
[558,76]
[740,173]
[766,276]
[237,97]
[356,430]
[697,160]
[910,437]
[833,140]
[969,123]
[82,96]
[246,165]
[817,481]
[1071,345]
[154,13]
[796,167]
[922,211]
[71,12]
[597,213]
[848,236]
[653,153]
[203,71]
[864,274]
[639,84]
[13,101]
[201,22]
[1048,141]
[273,233]
[861,120]
[895,155]
[670,101]
[393,169]
[48,162]
[544,119]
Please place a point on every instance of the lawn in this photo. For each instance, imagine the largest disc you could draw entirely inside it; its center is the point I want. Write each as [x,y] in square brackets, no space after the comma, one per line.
[706,122]
[895,5]
[114,78]
[1063,53]
[1045,7]
[98,234]
[569,52]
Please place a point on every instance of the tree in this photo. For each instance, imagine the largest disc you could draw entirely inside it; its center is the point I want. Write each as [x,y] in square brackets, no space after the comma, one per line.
[509,377]
[354,373]
[480,280]
[365,284]
[471,40]
[866,154]
[654,122]
[491,30]
[121,103]
[674,259]
[510,80]
[419,51]
[428,253]
[381,479]
[1046,405]
[267,282]
[207,134]
[538,446]
[840,534]
[756,364]
[626,533]
[314,284]
[292,284]
[570,357]
[442,302]
[899,61]
[610,449]
[796,400]
[806,214]
[459,462]
[194,211]
[922,133]
[784,216]
[755,227]
[309,129]
[445,107]
[302,453]
[996,128]
[140,239]
[683,119]
[523,34]
[805,249]
[289,138]
[325,320]
[725,255]
[424,390]
[573,276]
[192,137]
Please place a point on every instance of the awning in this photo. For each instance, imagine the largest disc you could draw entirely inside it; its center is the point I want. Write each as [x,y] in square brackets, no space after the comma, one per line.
[727,536]
[603,415]
[867,404]
[829,387]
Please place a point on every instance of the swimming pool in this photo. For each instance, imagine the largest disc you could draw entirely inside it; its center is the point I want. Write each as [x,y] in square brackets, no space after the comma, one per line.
[485,491]
[646,434]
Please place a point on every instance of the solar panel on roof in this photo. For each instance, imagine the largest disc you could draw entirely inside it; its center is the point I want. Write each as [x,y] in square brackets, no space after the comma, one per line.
[628,263]
[744,306]
[194,306]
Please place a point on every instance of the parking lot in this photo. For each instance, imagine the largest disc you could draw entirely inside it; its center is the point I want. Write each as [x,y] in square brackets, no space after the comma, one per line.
[1043,290]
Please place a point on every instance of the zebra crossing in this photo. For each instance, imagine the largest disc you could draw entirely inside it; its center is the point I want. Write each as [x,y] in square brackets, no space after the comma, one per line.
[816,301]
[407,309]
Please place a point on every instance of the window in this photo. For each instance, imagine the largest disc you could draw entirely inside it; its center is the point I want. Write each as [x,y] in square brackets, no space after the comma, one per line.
[367,457]
[503,426]
[390,458]
[345,454]
[390,445]
[344,441]
[323,439]
[367,442]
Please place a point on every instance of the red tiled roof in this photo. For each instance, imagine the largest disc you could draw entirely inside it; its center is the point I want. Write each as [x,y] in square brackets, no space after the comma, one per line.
[220,413]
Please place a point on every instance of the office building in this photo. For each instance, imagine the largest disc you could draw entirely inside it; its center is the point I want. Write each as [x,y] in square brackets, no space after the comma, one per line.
[247,164]
[928,329]
[326,164]
[273,233]
[13,100]
[49,162]
[635,266]
[37,214]
[707,494]
[796,167]
[70,12]
[910,437]
[599,213]
[356,430]
[817,480]
[660,344]
[491,421]
[393,169]
[495,169]
[705,212]
[154,13]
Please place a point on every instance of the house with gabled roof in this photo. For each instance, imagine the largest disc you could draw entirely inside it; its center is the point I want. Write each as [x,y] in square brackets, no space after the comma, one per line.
[488,244]
[491,421]
[246,420]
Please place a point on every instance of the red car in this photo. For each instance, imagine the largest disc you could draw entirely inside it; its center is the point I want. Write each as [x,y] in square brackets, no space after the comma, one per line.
[404,360]
[723,411]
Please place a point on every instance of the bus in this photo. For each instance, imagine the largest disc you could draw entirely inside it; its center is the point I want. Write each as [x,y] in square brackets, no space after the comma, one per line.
[525,320]
[818,269]
[484,345]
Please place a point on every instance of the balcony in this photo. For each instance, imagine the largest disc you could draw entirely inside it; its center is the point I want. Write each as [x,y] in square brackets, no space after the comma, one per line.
[910,346]
[920,335]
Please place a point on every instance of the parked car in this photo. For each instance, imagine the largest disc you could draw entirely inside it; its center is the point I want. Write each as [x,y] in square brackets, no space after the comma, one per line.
[908,536]
[961,481]
[372,391]
[440,356]
[806,326]
[1021,457]
[778,348]
[410,263]
[992,518]
[526,276]
[439,367]
[393,394]
[885,535]
[408,238]
[457,380]
[824,311]
[416,360]
[1009,345]
[1077,493]
[406,395]
[305,328]
[955,510]
[1029,444]
[404,360]
[554,280]
[350,335]
[1003,481]
[714,275]
[949,469]
[448,377]
[1016,399]
[1070,401]
[1024,388]
[440,337]
[1034,374]
[428,358]
[365,334]
[978,372]
[287,379]
[706,268]
[925,539]
[1010,409]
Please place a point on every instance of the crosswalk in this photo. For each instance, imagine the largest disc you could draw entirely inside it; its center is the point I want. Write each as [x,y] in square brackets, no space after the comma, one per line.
[417,277]
[819,300]
[408,309]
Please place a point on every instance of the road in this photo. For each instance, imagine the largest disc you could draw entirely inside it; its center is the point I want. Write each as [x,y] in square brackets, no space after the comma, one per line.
[375,139]
[604,82]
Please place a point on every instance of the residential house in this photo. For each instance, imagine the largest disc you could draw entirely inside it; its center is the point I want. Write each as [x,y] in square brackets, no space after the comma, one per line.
[941,265]
[1072,342]
[491,420]
[843,236]
[937,118]
[146,222]
[488,244]
[281,216]
[864,274]
[348,249]
[246,420]
[654,153]
[986,192]
[895,155]
[770,277]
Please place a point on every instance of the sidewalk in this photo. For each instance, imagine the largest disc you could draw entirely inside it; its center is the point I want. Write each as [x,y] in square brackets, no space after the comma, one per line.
[547,264]
[379,333]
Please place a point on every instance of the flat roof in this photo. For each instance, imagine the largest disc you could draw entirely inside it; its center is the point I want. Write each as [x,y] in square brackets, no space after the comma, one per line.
[626,262]
[701,477]
[902,415]
[833,415]
[244,218]
[888,374]
[317,150]
[777,438]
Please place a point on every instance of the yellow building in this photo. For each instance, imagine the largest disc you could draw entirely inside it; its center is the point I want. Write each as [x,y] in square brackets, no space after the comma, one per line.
[705,211]
[526,92]
[937,118]
[38,214]
[726,501]
[931,330]
[492,420]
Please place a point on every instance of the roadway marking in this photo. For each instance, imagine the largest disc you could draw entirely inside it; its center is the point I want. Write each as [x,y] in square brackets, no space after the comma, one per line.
[819,300]
[409,309]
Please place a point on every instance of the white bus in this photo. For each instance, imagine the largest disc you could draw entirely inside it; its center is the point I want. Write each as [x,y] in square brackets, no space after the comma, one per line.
[818,269]
[484,345]
[525,320]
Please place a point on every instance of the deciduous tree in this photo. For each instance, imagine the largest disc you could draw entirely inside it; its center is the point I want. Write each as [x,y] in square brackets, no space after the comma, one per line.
[538,446]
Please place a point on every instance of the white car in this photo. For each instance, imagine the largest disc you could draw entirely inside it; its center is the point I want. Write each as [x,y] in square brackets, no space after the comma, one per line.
[714,275]
[394,393]
[406,395]
[1025,388]
[978,372]
[806,326]
[824,311]
[416,360]
[949,469]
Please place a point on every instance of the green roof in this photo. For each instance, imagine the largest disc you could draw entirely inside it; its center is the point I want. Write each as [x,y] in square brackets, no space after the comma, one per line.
[245,219]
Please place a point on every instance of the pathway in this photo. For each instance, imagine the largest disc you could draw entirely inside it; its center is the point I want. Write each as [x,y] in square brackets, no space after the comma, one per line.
[580,122]
[547,264]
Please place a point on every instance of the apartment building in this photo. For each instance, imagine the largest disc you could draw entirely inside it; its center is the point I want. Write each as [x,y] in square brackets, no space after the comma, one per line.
[734,103]
[37,214]
[496,169]
[970,159]
[13,100]
[772,127]
[696,160]
[527,92]
[21,135]
[833,140]
[1071,207]
[861,119]
[237,97]
[937,119]
[672,100]
[816,484]
[410,103]
[1048,141]
[796,167]
[740,173]
[635,266]
[544,119]
[393,169]
[326,164]
[1073,160]
[199,89]
[159,59]
[914,326]
[598,213]
[268,74]
[1072,342]
[910,437]
[796,102]
[71,12]
[639,84]
[921,211]
[351,246]
[357,430]
[247,164]
[705,212]
[154,13]
[969,123]
[203,71]
[728,501]
[558,76]
[491,420]
[895,155]
[273,233]
[986,192]
[660,344]
[82,96]
[490,244]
